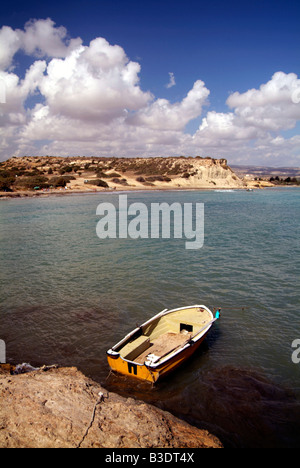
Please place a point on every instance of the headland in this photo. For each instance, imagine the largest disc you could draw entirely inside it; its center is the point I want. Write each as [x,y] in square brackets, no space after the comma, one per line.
[29,176]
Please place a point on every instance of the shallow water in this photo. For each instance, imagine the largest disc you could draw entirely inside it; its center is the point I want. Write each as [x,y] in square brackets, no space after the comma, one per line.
[67,296]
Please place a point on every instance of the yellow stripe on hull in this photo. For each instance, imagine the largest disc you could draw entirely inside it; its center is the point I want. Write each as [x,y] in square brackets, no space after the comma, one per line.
[132,369]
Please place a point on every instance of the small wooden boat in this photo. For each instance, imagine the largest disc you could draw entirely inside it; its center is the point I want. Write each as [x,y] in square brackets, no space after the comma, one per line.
[161,344]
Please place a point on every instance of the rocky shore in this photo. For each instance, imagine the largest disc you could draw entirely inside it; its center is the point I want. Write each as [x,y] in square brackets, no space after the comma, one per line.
[54,407]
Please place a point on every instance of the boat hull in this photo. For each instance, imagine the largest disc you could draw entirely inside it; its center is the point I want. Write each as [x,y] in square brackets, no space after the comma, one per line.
[144,372]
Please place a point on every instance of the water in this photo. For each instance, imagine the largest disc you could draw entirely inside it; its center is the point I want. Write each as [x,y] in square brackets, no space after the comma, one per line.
[67,296]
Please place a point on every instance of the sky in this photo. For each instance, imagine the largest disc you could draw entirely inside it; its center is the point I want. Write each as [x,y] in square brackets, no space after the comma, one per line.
[157,78]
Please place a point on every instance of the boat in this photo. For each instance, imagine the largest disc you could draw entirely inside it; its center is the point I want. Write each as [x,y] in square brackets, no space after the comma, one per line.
[161,344]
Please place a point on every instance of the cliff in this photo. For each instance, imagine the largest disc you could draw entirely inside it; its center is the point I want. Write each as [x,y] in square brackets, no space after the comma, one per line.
[97,174]
[62,408]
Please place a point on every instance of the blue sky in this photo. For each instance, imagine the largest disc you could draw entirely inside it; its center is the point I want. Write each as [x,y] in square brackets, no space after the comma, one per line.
[238,60]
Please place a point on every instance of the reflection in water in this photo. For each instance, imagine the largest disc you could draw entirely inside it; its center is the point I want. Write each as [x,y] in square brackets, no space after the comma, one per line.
[239,406]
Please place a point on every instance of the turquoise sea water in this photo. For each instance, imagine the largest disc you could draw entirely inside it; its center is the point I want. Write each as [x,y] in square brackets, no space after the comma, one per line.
[66,297]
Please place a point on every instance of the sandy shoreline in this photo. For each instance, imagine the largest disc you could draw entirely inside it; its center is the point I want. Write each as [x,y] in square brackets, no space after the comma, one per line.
[63,193]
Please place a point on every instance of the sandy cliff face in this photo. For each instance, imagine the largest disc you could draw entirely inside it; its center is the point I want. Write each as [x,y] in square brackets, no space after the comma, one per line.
[61,408]
[181,172]
[208,173]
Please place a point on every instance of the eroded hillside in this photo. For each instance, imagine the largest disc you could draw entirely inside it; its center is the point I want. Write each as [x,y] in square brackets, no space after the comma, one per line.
[94,174]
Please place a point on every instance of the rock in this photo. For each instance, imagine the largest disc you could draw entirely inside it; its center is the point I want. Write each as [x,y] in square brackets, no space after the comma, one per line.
[62,408]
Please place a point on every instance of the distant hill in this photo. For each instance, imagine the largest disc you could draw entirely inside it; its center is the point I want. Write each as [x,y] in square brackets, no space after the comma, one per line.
[266,172]
[77,174]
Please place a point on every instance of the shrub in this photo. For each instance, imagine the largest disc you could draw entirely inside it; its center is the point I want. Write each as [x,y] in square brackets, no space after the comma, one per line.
[97,182]
[102,183]
[158,178]
[58,181]
[100,173]
[119,181]
[7,179]
[65,169]
[154,178]
[68,178]
[29,183]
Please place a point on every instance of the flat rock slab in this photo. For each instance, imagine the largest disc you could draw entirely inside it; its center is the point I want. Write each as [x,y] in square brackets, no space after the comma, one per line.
[62,408]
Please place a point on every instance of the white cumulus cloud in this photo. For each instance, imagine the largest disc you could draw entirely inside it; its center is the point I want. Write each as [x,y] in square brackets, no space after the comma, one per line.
[97,82]
[87,99]
[39,38]
[270,107]
[161,114]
